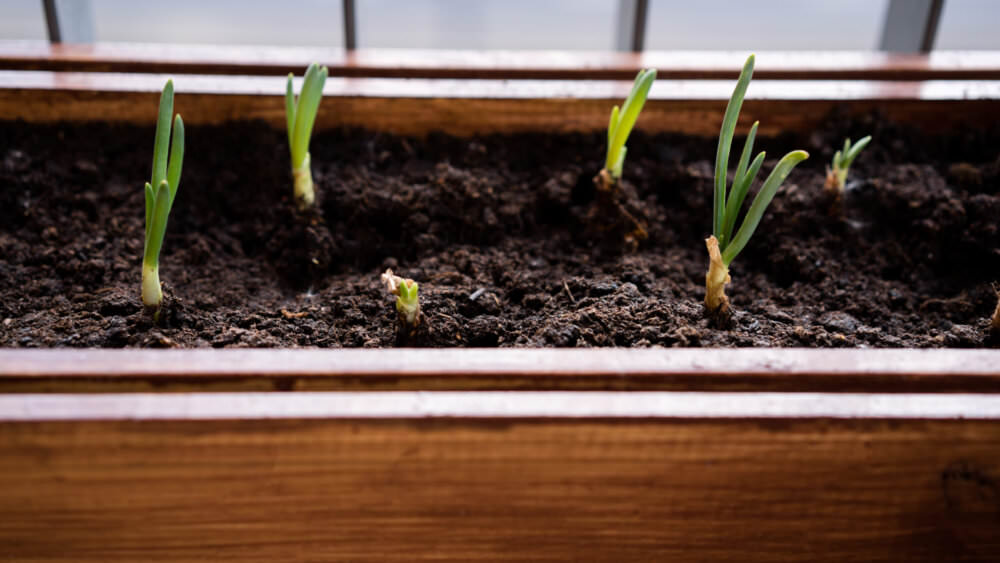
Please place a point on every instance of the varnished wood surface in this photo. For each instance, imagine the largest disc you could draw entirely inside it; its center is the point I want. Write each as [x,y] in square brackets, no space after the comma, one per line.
[892,371]
[416,63]
[466,107]
[500,489]
[497,405]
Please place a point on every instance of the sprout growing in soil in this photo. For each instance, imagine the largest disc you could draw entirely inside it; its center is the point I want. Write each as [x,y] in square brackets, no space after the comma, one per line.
[621,125]
[407,301]
[301,115]
[836,174]
[723,246]
[160,193]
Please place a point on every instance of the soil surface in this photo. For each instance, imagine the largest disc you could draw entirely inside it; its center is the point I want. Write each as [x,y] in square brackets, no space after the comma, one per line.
[504,236]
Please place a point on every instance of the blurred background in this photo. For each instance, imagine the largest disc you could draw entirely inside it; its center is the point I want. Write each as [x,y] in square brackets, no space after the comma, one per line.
[510,24]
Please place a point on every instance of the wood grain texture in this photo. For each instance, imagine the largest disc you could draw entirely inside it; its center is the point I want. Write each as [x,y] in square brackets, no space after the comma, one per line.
[890,371]
[513,490]
[467,107]
[417,63]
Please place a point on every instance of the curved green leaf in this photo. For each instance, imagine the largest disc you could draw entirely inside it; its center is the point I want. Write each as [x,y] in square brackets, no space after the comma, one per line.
[760,203]
[854,150]
[629,114]
[176,158]
[305,112]
[741,185]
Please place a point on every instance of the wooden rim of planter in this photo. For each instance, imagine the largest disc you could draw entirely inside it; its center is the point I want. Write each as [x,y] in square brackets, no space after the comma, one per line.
[497,405]
[416,63]
[466,107]
[737,370]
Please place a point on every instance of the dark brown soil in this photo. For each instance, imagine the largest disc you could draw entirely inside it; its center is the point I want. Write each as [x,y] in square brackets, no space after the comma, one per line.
[500,233]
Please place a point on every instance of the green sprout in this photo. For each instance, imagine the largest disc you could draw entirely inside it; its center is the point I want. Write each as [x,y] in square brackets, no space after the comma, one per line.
[407,300]
[836,174]
[160,193]
[723,246]
[301,115]
[620,126]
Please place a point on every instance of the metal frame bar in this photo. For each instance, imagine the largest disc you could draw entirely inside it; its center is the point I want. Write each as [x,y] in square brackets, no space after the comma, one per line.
[69,21]
[350,25]
[911,26]
[631,31]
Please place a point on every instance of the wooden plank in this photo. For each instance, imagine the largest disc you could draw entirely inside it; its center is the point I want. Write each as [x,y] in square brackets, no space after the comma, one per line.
[495,405]
[466,107]
[447,489]
[416,63]
[891,371]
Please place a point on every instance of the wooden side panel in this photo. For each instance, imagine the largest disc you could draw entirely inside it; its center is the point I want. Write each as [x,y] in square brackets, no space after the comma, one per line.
[458,107]
[801,370]
[513,490]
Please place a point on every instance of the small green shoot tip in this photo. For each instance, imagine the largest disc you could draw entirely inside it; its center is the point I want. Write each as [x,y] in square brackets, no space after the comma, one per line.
[620,126]
[300,116]
[160,192]
[724,246]
[407,299]
[836,174]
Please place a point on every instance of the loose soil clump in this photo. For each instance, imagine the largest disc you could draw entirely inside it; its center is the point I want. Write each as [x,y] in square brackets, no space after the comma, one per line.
[502,235]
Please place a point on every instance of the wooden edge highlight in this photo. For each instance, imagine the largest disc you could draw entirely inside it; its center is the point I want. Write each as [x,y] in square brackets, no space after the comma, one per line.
[572,65]
[470,107]
[497,405]
[765,369]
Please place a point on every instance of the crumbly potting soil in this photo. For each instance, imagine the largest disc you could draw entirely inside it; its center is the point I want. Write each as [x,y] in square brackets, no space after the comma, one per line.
[503,235]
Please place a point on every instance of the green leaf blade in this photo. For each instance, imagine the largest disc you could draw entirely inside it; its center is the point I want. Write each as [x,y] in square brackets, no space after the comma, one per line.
[176,158]
[150,201]
[854,151]
[629,113]
[741,185]
[761,202]
[725,143]
[162,138]
[290,109]
[612,150]
[305,112]
[157,230]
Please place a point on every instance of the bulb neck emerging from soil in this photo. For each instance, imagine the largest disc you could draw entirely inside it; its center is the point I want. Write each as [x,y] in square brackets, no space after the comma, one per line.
[152,295]
[302,176]
[605,182]
[716,301]
[836,179]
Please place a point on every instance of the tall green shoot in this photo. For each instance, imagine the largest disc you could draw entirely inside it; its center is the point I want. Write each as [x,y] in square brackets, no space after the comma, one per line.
[160,193]
[300,115]
[620,126]
[836,174]
[723,245]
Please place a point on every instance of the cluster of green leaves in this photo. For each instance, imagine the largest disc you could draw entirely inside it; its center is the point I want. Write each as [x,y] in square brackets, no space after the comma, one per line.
[621,123]
[843,159]
[301,113]
[162,187]
[728,202]
[409,299]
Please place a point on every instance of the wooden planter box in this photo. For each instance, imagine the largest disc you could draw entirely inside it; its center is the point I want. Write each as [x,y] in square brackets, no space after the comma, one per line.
[873,455]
